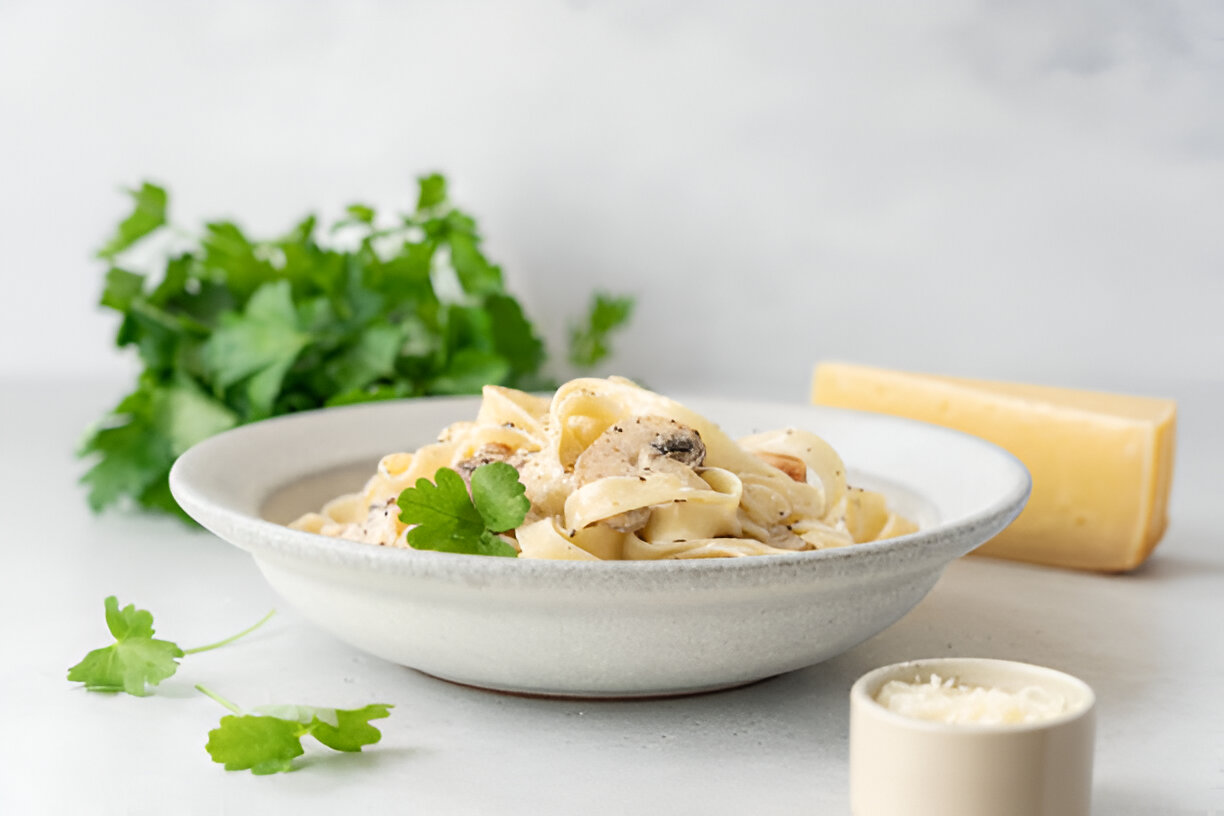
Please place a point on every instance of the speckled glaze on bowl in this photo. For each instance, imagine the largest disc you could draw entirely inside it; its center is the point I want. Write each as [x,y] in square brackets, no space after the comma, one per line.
[605,629]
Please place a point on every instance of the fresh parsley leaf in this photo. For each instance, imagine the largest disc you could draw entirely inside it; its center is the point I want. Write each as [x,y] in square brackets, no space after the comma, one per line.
[513,337]
[260,744]
[589,340]
[136,659]
[476,275]
[185,415]
[468,370]
[258,346]
[499,496]
[372,394]
[433,191]
[352,729]
[157,497]
[148,214]
[152,426]
[370,358]
[122,287]
[447,519]
[268,740]
[133,661]
[338,729]
[405,277]
[235,329]
[361,212]
[232,257]
[130,458]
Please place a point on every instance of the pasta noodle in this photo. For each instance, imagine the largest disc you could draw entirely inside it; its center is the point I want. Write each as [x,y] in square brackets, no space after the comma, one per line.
[617,472]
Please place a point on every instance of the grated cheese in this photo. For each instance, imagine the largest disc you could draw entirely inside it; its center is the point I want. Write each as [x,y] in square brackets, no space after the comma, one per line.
[950,701]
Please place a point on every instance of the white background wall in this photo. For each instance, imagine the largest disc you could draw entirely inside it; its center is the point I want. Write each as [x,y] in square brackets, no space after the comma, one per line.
[1003,189]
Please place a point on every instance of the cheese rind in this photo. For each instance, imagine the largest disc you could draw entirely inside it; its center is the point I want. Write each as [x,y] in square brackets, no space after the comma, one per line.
[1102,464]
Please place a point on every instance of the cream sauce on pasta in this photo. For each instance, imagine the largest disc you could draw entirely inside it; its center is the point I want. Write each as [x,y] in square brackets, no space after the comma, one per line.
[617,472]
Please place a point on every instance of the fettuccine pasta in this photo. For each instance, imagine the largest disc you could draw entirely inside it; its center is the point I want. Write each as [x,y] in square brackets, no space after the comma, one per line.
[616,472]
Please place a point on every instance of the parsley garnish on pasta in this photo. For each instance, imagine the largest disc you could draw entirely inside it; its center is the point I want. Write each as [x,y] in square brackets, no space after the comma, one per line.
[446,518]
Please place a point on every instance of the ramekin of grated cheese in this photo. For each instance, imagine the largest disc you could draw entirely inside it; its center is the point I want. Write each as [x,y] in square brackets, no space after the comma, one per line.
[968,737]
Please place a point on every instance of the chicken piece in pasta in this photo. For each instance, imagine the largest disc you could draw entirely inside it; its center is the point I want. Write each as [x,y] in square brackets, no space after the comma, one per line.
[616,472]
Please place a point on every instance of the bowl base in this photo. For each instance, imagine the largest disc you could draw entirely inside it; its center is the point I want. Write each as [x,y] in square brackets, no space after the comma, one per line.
[611,696]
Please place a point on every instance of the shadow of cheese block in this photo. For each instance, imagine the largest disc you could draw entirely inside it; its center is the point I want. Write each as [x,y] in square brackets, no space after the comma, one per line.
[1102,464]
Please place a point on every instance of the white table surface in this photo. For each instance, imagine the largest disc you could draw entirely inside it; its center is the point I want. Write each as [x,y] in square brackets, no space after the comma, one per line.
[1150,643]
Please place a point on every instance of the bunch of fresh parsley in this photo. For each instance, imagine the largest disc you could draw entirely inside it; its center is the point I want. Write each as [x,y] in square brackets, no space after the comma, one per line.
[235,329]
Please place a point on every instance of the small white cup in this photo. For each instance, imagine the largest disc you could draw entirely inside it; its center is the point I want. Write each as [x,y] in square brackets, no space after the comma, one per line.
[904,766]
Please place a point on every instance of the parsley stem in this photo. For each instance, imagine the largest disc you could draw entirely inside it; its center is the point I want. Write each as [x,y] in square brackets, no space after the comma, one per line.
[232,638]
[219,699]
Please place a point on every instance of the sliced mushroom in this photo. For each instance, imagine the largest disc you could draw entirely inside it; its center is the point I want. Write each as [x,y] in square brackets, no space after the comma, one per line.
[779,536]
[792,466]
[492,452]
[638,445]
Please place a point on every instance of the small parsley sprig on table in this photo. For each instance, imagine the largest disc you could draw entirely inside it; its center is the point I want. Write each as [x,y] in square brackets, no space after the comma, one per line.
[263,742]
[234,329]
[136,659]
[269,739]
[447,518]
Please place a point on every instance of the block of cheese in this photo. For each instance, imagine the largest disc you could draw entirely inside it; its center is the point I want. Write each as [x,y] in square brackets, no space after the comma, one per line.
[1102,464]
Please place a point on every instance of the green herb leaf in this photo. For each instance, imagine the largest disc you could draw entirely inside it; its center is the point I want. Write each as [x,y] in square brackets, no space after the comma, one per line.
[133,661]
[260,744]
[499,496]
[148,214]
[476,275]
[514,339]
[132,453]
[185,415]
[405,277]
[361,212]
[268,741]
[260,344]
[469,370]
[352,730]
[122,287]
[230,255]
[372,356]
[446,518]
[131,458]
[236,329]
[371,394]
[136,659]
[443,511]
[589,340]
[433,191]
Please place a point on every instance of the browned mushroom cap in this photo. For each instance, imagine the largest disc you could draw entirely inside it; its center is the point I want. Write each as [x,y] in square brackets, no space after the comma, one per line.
[639,444]
[792,466]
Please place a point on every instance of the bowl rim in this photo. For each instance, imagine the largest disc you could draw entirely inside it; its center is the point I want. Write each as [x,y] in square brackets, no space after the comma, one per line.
[865,700]
[259,536]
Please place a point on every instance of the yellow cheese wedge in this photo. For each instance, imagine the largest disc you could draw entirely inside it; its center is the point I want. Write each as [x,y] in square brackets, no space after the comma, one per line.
[1102,464]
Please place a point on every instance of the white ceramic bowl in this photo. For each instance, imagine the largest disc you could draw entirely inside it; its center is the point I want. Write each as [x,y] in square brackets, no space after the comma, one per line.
[595,629]
[903,765]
